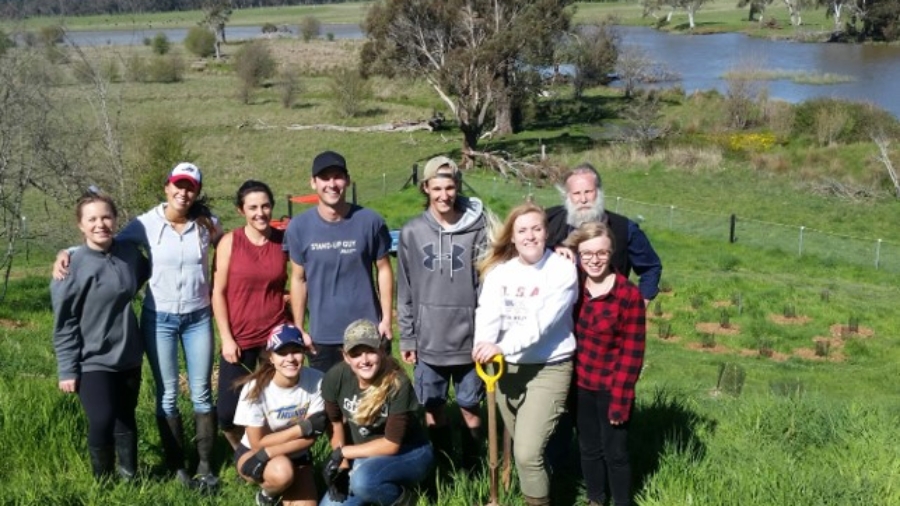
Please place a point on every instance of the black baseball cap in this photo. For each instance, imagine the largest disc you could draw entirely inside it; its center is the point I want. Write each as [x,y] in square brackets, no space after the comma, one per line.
[326,160]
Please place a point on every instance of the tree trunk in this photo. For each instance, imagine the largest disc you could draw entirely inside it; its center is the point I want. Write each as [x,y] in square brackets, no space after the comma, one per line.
[503,113]
[470,143]
[690,13]
[837,16]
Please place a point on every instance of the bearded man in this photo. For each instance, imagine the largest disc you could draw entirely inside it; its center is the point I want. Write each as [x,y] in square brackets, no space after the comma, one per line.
[583,193]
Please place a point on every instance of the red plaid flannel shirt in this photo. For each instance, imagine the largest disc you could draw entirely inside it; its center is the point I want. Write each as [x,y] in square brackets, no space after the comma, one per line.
[610,331]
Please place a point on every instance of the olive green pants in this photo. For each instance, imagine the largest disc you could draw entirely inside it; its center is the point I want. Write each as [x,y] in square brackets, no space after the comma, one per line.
[531,398]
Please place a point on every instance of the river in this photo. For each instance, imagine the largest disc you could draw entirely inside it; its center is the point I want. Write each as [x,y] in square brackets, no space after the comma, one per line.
[700,60]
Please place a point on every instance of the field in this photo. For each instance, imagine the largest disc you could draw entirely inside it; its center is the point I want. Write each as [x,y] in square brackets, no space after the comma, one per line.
[809,423]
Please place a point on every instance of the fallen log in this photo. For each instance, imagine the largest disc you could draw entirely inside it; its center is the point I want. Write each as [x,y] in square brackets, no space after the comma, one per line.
[400,126]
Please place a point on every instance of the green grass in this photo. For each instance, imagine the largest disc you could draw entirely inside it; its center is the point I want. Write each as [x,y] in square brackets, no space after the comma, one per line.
[716,16]
[829,443]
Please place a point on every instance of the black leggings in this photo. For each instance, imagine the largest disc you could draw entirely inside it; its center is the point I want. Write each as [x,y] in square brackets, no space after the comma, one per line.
[229,373]
[604,449]
[109,400]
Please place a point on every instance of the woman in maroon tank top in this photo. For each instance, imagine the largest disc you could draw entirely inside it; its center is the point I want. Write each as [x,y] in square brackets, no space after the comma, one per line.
[248,295]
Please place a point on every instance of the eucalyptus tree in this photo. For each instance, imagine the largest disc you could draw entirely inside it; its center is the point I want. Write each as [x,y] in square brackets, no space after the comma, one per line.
[477,55]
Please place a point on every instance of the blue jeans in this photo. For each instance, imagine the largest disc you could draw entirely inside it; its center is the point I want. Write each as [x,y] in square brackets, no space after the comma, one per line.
[162,334]
[377,480]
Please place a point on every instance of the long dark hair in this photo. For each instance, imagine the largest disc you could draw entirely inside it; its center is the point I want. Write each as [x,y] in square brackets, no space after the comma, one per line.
[263,374]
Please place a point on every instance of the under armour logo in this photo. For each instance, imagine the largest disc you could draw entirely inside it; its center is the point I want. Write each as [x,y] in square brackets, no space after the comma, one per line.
[455,258]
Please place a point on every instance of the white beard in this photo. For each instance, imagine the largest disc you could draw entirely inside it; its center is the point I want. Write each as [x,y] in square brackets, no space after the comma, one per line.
[576,217]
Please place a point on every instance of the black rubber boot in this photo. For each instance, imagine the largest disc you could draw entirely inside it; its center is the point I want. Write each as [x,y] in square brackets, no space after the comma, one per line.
[472,448]
[102,462]
[442,442]
[126,452]
[171,435]
[206,424]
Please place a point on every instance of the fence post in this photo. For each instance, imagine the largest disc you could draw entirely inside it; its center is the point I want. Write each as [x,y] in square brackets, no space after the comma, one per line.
[671,214]
[353,191]
[731,238]
[415,174]
[800,250]
[383,184]
[290,206]
[618,199]
[877,253]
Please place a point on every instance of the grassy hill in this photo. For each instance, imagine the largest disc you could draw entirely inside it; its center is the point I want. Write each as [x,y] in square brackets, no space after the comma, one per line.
[812,424]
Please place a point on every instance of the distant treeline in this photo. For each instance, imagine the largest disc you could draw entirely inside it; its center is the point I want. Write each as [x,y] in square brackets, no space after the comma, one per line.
[17,9]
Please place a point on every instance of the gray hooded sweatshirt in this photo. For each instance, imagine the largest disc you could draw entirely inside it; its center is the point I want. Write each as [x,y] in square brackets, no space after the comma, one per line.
[94,325]
[437,285]
[179,282]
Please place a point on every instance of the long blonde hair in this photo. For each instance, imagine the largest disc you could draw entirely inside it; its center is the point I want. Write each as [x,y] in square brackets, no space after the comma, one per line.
[383,386]
[501,247]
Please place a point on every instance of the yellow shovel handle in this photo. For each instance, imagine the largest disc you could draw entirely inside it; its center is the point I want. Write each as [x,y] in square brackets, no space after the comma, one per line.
[490,380]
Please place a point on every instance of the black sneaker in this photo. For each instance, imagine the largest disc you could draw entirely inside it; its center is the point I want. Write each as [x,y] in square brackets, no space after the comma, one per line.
[264,499]
[206,483]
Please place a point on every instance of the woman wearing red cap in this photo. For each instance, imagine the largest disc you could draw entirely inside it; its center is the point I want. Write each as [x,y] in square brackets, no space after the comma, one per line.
[176,236]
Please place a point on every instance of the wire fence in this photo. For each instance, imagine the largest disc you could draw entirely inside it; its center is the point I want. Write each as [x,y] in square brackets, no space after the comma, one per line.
[797,239]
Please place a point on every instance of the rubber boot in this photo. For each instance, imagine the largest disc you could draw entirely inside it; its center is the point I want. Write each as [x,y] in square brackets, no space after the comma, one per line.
[126,452]
[472,448]
[537,501]
[102,462]
[171,434]
[206,424]
[442,442]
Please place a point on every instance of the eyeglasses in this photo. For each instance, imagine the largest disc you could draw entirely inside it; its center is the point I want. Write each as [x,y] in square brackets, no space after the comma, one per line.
[586,256]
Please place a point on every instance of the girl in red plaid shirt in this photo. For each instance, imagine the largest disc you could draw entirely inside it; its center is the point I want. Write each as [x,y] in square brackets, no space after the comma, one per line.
[610,334]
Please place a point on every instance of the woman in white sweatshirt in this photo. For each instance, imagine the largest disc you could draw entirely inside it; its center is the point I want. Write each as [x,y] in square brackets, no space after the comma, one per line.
[525,314]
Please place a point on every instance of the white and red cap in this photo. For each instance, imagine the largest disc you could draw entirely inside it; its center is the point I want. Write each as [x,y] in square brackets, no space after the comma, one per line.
[185,171]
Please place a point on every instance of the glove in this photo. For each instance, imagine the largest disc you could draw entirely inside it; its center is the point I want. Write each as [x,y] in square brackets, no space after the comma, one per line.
[332,467]
[313,426]
[255,465]
[340,486]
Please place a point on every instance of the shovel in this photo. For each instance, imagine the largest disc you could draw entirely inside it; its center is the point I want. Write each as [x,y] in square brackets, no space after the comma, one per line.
[490,382]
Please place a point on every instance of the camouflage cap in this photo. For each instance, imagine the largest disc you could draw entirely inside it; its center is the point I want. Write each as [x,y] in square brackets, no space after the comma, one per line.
[361,333]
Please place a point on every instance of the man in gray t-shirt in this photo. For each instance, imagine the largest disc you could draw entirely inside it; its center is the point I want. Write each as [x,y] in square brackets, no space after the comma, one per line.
[333,248]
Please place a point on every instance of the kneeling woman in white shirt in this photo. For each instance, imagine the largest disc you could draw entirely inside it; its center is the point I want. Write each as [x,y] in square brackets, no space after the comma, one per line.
[282,411]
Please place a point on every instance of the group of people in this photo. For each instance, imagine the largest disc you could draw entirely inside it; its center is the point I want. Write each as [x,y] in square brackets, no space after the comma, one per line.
[546,290]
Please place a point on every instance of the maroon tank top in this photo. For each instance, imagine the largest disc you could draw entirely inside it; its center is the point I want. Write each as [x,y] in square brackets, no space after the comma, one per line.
[255,290]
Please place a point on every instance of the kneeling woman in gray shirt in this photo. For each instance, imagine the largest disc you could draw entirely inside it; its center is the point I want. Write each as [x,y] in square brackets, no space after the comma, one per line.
[98,345]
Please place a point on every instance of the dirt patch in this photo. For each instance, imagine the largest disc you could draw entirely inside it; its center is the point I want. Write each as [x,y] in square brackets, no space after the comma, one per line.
[777,357]
[12,324]
[715,328]
[810,354]
[789,320]
[839,330]
[722,303]
[664,316]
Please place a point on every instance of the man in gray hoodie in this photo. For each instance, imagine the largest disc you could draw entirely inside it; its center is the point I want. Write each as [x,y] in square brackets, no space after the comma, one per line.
[437,290]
